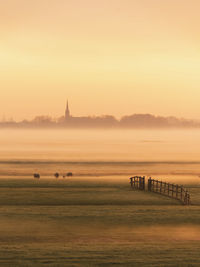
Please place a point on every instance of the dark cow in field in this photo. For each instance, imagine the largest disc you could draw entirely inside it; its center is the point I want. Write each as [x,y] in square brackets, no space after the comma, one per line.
[36,175]
[68,174]
[56,174]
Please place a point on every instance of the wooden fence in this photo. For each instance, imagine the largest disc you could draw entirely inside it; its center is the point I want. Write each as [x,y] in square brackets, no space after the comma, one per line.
[138,182]
[171,190]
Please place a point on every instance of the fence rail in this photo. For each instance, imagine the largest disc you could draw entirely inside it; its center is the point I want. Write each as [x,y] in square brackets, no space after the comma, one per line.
[171,190]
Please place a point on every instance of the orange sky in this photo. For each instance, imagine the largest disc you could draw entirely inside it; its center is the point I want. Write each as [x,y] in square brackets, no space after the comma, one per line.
[108,57]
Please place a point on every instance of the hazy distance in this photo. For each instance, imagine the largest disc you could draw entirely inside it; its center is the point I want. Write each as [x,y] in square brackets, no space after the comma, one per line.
[109,57]
[105,121]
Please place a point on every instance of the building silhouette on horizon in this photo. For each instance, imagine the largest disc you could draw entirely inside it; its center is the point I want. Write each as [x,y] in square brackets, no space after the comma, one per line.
[86,121]
[67,112]
[104,121]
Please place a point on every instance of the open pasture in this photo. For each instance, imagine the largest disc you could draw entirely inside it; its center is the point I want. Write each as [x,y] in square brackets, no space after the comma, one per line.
[95,222]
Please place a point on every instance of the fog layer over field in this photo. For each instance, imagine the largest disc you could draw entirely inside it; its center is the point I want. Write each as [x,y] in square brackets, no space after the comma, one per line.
[90,153]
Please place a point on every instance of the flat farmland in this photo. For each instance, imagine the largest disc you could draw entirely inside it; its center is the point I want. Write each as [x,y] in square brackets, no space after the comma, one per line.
[95,222]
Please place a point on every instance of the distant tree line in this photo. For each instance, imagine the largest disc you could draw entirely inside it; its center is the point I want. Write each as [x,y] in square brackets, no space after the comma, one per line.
[106,121]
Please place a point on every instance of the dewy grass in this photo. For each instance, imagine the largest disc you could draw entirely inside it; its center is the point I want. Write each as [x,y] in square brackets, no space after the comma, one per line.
[79,222]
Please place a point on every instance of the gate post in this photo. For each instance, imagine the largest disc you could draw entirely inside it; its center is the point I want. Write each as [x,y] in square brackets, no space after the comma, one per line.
[149,184]
[142,183]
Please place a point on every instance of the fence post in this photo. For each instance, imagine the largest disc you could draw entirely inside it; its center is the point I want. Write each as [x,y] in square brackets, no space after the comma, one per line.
[131,181]
[187,198]
[149,184]
[177,191]
[181,193]
[143,185]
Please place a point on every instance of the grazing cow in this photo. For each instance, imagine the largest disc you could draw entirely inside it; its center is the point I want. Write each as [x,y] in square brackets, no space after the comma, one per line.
[36,175]
[56,174]
[69,174]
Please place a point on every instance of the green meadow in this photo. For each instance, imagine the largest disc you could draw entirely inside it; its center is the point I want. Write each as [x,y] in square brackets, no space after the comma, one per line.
[95,222]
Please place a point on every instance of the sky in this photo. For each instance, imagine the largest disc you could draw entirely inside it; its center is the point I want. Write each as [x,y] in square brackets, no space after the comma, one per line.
[107,57]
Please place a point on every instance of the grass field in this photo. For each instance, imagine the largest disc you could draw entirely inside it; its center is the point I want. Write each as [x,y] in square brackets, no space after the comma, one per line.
[95,222]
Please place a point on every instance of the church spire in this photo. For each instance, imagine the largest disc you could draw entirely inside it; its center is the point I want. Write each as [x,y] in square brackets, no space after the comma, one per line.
[67,112]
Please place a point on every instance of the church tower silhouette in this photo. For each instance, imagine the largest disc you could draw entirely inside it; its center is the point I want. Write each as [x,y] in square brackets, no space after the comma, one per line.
[67,112]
